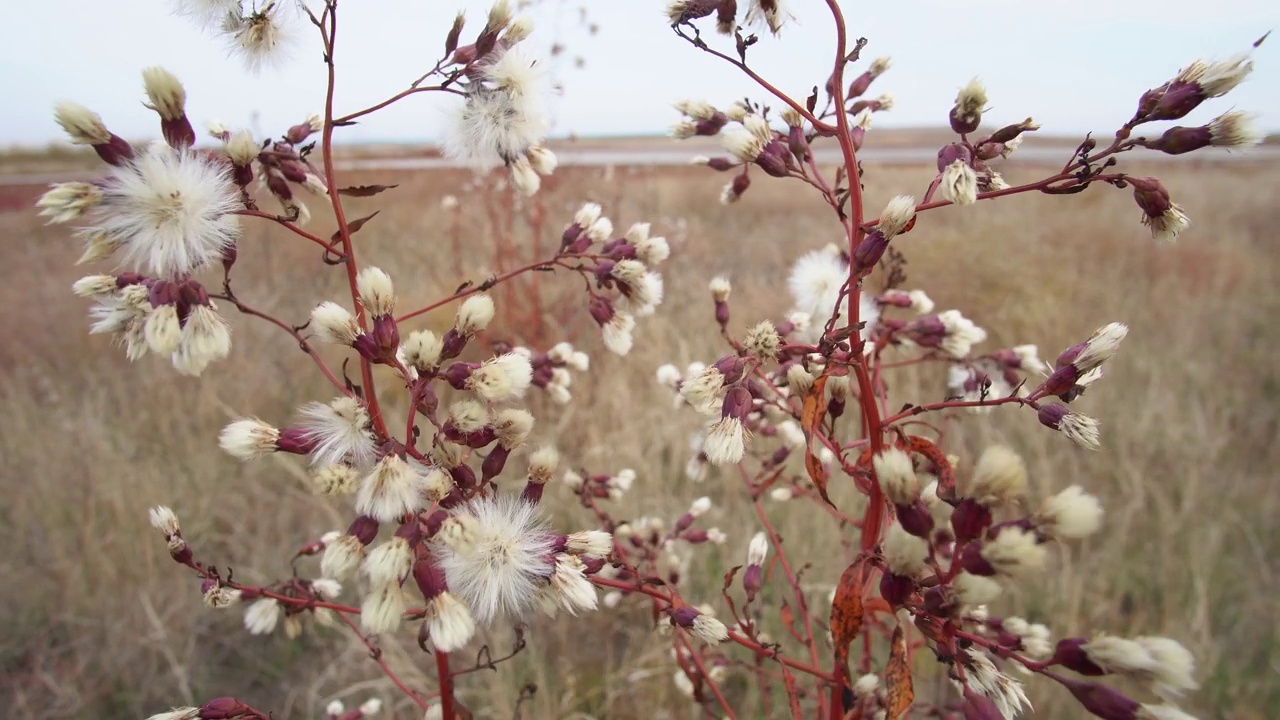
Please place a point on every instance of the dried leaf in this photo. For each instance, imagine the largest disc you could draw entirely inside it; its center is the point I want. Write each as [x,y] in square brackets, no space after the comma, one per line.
[847,614]
[728,577]
[364,190]
[811,415]
[789,620]
[946,475]
[897,678]
[354,226]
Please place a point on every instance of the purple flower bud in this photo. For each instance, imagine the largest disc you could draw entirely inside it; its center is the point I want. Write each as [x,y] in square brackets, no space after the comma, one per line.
[293,440]
[684,615]
[601,310]
[429,577]
[452,344]
[979,707]
[972,562]
[298,133]
[775,160]
[178,132]
[732,367]
[752,580]
[1059,383]
[458,373]
[797,144]
[1179,140]
[896,589]
[711,126]
[859,85]
[494,463]
[720,164]
[969,520]
[1051,414]
[463,476]
[915,519]
[951,153]
[532,492]
[869,251]
[386,337]
[364,529]
[223,708]
[1105,702]
[737,403]
[115,151]
[722,314]
[1071,655]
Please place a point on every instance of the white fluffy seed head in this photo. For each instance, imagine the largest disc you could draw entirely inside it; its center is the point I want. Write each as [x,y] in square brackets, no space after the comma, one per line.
[383,608]
[503,114]
[339,431]
[169,210]
[64,202]
[512,427]
[468,415]
[1100,347]
[82,125]
[165,93]
[163,519]
[248,439]
[390,562]
[616,333]
[542,464]
[333,323]
[904,553]
[758,549]
[974,590]
[449,622]
[1071,514]
[262,616]
[377,294]
[896,214]
[422,350]
[474,315]
[1015,552]
[959,183]
[341,557]
[591,543]
[897,476]
[505,377]
[497,568]
[726,441]
[1000,477]
[720,288]
[392,489]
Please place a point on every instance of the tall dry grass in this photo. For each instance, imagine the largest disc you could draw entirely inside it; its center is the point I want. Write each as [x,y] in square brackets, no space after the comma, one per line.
[99,623]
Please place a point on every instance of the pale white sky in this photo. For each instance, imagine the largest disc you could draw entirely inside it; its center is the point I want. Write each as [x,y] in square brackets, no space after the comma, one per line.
[1074,65]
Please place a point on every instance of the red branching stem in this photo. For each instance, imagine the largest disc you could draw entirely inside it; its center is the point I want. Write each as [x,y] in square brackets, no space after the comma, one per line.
[394,98]
[376,653]
[446,685]
[344,231]
[791,579]
[692,654]
[948,404]
[285,224]
[302,343]
[472,291]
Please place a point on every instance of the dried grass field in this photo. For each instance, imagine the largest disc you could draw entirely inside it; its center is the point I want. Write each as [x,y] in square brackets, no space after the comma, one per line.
[99,623]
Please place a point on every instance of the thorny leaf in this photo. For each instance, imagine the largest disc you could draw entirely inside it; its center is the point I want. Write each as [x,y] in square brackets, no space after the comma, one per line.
[364,190]
[354,226]
[847,614]
[810,417]
[897,678]
[793,695]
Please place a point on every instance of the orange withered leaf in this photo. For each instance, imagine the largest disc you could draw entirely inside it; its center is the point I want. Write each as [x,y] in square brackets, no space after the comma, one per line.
[897,678]
[847,613]
[811,414]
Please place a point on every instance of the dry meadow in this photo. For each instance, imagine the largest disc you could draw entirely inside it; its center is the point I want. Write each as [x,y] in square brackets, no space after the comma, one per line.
[99,623]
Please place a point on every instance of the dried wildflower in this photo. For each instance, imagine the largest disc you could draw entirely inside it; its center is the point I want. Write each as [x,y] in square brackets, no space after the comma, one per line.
[897,214]
[261,617]
[169,210]
[377,294]
[338,431]
[500,559]
[542,464]
[771,13]
[474,315]
[1071,514]
[392,489]
[1233,130]
[959,183]
[383,608]
[512,427]
[248,439]
[1014,552]
[961,334]
[503,116]
[342,556]
[82,125]
[617,332]
[502,378]
[762,341]
[982,676]
[164,520]
[897,476]
[1079,429]
[726,441]
[568,588]
[390,562]
[591,543]
[64,202]
[966,115]
[261,39]
[815,283]
[969,589]
[1165,218]
[422,350]
[904,553]
[1000,477]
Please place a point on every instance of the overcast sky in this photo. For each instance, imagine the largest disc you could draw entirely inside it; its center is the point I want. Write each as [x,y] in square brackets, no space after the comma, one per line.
[1074,65]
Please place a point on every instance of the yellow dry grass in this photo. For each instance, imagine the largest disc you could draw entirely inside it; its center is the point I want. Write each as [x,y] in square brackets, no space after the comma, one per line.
[100,623]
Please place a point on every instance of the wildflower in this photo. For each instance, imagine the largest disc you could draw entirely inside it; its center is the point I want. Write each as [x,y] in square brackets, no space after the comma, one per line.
[569,587]
[1165,218]
[966,115]
[897,476]
[503,116]
[168,98]
[1014,552]
[65,202]
[205,338]
[422,350]
[897,215]
[1079,429]
[959,183]
[1000,477]
[170,210]
[498,556]
[163,330]
[701,624]
[973,590]
[261,39]
[720,288]
[904,553]
[377,294]
[82,125]
[390,562]
[960,333]
[762,341]
[449,622]
[815,283]
[591,543]
[342,556]
[512,427]
[248,439]
[768,12]
[261,617]
[1099,348]
[391,490]
[474,315]
[616,327]
[542,464]
[372,706]
[982,676]
[502,378]
[164,520]
[1234,129]
[338,431]
[1071,514]
[326,588]
[383,608]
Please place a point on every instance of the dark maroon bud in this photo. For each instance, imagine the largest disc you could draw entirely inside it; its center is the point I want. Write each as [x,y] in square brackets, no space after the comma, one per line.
[726,15]
[695,536]
[915,519]
[182,555]
[458,373]
[1177,100]
[452,344]
[684,616]
[532,492]
[410,531]
[1060,382]
[857,135]
[434,521]
[835,407]
[741,182]
[364,528]
[694,9]
[1179,140]
[1151,197]
[1070,654]
[207,585]
[277,185]
[386,336]
[570,236]
[1051,415]
[989,151]
[798,144]
[223,708]
[896,589]
[1105,702]
[493,464]
[722,314]
[115,151]
[775,160]
[951,153]
[859,85]
[426,400]
[601,310]
[937,601]
[455,32]
[721,164]
[972,562]
[969,520]
[486,42]
[295,441]
[368,348]
[298,133]
[779,456]
[463,476]
[178,133]
[869,252]
[711,126]
[732,367]
[229,254]
[752,580]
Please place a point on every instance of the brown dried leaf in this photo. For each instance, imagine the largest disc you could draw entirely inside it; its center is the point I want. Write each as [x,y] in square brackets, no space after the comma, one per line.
[354,226]
[897,678]
[364,190]
[946,475]
[847,613]
[811,415]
